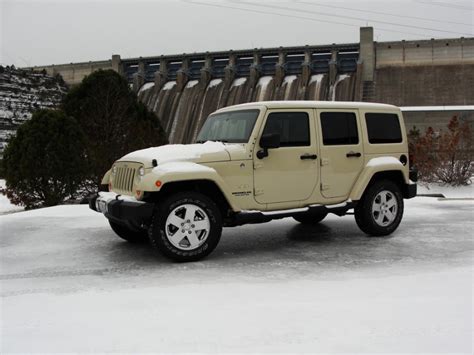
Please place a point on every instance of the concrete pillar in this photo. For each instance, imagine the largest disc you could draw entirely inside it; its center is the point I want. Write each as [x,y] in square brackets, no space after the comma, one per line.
[139,77]
[255,69]
[367,53]
[359,83]
[280,68]
[161,76]
[206,71]
[333,67]
[229,70]
[182,75]
[117,63]
[306,68]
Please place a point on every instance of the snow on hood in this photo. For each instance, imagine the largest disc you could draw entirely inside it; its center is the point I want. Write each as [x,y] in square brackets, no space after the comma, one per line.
[206,152]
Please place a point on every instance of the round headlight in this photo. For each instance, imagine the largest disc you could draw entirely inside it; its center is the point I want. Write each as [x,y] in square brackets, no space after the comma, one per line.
[114,170]
[141,171]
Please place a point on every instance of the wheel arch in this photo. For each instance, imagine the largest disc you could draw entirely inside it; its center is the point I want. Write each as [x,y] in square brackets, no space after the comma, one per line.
[370,174]
[209,188]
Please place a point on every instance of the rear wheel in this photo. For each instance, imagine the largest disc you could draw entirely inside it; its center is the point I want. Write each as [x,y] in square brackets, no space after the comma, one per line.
[310,218]
[186,227]
[128,234]
[380,210]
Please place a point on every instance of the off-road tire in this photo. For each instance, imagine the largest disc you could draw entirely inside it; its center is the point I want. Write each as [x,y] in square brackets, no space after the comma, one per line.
[129,235]
[363,211]
[157,233]
[310,218]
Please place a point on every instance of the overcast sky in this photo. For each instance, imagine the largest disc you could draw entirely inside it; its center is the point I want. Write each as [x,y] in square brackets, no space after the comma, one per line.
[37,32]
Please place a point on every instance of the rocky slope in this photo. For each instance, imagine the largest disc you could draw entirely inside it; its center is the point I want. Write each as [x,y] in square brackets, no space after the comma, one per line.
[21,93]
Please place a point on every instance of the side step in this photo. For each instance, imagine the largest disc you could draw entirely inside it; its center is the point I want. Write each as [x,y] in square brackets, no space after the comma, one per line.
[253,217]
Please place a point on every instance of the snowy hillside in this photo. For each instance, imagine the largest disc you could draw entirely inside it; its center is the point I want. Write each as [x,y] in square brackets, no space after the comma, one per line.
[22,92]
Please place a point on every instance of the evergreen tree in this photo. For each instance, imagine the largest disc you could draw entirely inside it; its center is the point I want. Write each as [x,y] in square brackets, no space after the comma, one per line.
[113,120]
[45,162]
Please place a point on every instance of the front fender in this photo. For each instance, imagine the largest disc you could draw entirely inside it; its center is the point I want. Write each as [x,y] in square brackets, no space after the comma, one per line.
[183,171]
[374,166]
[106,178]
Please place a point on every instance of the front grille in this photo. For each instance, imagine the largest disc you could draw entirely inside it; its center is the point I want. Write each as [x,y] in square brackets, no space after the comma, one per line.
[124,179]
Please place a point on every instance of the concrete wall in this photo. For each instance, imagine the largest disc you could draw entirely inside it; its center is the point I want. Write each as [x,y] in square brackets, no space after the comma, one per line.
[438,120]
[73,73]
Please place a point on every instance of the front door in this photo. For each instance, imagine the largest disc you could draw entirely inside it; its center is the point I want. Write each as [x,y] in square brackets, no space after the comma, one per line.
[288,173]
[341,151]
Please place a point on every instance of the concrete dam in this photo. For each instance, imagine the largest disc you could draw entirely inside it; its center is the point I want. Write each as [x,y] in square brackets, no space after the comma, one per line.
[183,106]
[184,89]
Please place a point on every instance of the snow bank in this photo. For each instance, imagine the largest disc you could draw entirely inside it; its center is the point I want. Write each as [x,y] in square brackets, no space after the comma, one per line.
[5,205]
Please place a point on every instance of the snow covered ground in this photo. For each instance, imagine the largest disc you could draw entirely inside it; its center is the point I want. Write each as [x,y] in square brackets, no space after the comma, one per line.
[5,205]
[69,285]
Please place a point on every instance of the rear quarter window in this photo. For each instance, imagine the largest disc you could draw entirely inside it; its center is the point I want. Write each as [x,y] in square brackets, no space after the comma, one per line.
[383,128]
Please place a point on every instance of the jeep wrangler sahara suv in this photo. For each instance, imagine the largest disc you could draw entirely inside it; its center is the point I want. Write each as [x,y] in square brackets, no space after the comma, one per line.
[255,162]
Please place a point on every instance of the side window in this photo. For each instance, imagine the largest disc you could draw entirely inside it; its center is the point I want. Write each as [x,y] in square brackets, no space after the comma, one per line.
[339,128]
[383,128]
[293,128]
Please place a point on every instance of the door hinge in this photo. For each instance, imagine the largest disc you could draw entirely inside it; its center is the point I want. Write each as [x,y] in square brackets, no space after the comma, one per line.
[324,161]
[258,192]
[257,165]
[325,187]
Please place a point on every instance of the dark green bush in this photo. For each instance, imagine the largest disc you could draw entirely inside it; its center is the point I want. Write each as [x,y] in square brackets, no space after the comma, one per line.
[45,163]
[112,119]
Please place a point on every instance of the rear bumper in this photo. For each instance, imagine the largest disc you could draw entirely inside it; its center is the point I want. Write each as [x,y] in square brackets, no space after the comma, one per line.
[122,210]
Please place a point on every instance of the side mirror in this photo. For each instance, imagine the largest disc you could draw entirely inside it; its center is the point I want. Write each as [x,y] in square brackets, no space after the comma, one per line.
[268,141]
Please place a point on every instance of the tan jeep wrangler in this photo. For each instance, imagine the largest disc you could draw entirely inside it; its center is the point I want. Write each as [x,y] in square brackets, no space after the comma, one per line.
[260,161]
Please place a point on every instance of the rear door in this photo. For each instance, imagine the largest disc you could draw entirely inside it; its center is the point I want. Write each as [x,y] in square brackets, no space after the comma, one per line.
[341,151]
[288,173]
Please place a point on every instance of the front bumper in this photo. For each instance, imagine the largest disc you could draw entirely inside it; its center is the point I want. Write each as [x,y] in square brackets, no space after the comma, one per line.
[123,210]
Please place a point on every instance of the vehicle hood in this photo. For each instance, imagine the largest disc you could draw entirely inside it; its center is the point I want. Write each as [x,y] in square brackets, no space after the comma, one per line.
[199,153]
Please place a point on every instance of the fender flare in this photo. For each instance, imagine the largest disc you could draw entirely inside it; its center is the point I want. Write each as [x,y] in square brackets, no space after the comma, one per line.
[182,172]
[374,166]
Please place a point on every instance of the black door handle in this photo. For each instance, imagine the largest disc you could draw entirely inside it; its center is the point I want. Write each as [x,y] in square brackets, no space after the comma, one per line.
[309,156]
[353,154]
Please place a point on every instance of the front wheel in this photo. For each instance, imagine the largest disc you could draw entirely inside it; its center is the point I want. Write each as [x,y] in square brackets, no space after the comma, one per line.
[380,210]
[186,227]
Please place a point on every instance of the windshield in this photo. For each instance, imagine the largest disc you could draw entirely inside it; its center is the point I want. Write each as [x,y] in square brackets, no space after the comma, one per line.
[228,127]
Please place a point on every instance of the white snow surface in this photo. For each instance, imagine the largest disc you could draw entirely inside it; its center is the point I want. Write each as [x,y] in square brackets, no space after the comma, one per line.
[178,152]
[146,86]
[181,167]
[264,81]
[214,82]
[169,85]
[316,78]
[191,83]
[289,79]
[5,205]
[447,191]
[68,284]
[239,81]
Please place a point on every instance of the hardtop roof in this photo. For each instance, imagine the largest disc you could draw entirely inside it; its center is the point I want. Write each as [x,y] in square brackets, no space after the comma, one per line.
[311,104]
